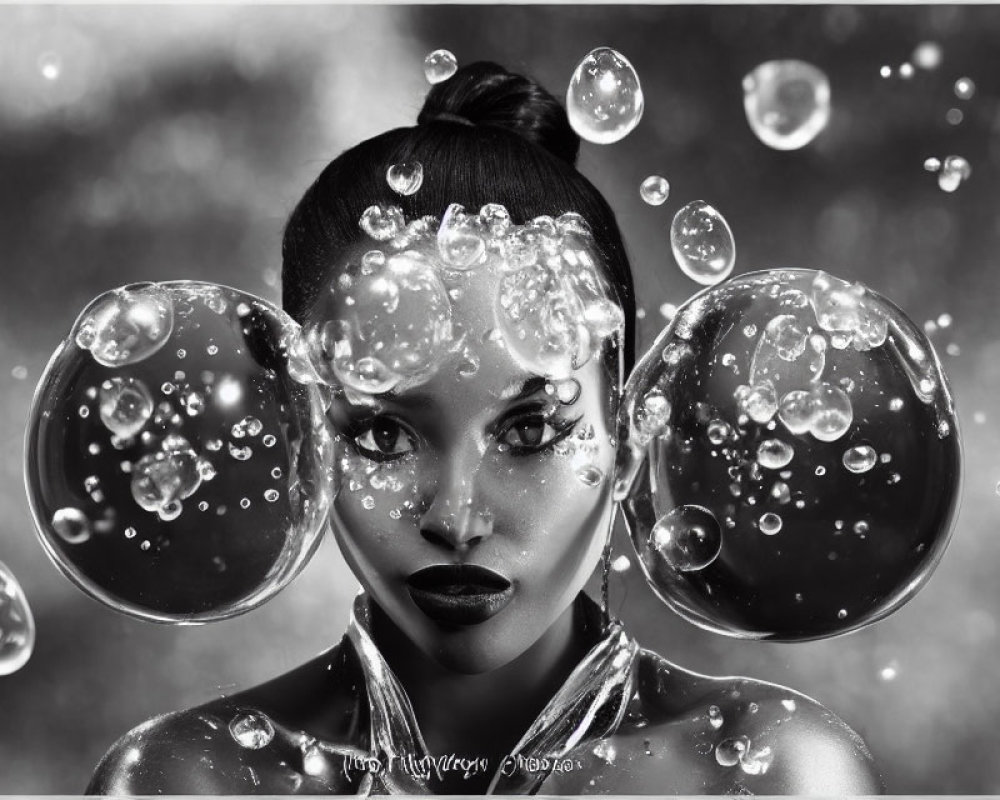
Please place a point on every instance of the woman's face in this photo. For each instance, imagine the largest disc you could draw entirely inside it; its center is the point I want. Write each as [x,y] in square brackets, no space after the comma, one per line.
[483,465]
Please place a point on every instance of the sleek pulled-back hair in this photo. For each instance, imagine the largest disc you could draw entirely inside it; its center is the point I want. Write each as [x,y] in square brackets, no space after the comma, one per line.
[483,136]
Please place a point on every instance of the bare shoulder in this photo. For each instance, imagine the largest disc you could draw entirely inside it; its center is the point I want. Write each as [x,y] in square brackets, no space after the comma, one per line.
[269,739]
[185,752]
[755,736]
[692,734]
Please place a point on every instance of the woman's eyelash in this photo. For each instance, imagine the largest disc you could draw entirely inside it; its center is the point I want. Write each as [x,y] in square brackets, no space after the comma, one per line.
[562,428]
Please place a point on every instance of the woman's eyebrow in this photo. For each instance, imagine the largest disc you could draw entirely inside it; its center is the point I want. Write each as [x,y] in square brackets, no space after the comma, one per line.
[518,389]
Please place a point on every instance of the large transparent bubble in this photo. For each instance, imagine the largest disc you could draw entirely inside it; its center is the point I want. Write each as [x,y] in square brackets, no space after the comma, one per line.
[806,423]
[17,625]
[190,484]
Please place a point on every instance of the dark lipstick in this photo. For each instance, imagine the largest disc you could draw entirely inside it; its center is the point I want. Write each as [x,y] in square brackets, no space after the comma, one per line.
[460,594]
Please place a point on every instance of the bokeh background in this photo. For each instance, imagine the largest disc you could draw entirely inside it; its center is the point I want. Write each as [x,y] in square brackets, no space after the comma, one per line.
[143,143]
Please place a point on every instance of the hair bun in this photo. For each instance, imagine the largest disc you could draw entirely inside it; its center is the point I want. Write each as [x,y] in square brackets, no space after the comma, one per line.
[485,93]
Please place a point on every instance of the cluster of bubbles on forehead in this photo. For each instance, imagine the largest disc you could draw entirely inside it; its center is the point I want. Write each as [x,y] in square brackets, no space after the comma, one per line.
[386,321]
[798,457]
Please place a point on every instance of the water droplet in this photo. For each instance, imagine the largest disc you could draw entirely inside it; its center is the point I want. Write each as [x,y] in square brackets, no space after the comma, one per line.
[439,66]
[702,243]
[729,751]
[890,671]
[245,503]
[252,730]
[368,502]
[72,525]
[17,625]
[715,718]
[769,523]
[406,177]
[932,164]
[589,475]
[895,404]
[125,406]
[271,495]
[787,103]
[655,190]
[859,458]
[621,564]
[906,71]
[953,172]
[604,100]
[774,454]
[756,761]
[688,538]
[842,614]
[965,88]
[885,71]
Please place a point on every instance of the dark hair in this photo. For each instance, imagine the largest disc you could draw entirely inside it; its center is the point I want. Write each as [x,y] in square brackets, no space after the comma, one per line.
[483,136]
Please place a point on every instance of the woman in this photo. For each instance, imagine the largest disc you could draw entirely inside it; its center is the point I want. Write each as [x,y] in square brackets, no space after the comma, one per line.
[476,467]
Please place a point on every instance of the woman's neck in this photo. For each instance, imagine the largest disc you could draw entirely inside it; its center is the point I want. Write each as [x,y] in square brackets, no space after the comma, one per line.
[496,707]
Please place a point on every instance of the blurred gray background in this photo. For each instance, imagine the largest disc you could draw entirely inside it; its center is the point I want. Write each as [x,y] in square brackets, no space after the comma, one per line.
[164,143]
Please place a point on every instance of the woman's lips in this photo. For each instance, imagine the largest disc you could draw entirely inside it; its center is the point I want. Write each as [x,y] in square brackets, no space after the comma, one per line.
[462,594]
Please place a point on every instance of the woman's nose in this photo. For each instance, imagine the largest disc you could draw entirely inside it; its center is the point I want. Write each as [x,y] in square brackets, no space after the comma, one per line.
[456,519]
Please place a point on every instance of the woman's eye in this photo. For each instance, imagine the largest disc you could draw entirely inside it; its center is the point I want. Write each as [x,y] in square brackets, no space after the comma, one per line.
[532,433]
[384,439]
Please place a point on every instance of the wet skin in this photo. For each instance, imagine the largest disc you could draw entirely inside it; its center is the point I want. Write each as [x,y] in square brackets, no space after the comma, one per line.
[483,470]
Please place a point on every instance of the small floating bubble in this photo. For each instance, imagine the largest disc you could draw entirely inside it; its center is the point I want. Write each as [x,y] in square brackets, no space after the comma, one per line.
[252,730]
[50,65]
[769,523]
[688,538]
[439,66]
[127,325]
[906,71]
[19,372]
[271,495]
[842,614]
[212,349]
[72,525]
[965,88]
[368,502]
[885,71]
[702,243]
[859,458]
[604,101]
[954,116]
[774,454]
[787,103]
[240,453]
[718,431]
[655,190]
[125,406]
[668,311]
[927,55]
[889,671]
[932,164]
[245,503]
[406,177]
[715,718]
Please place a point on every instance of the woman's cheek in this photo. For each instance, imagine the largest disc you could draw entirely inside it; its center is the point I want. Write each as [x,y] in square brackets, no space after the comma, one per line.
[379,503]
